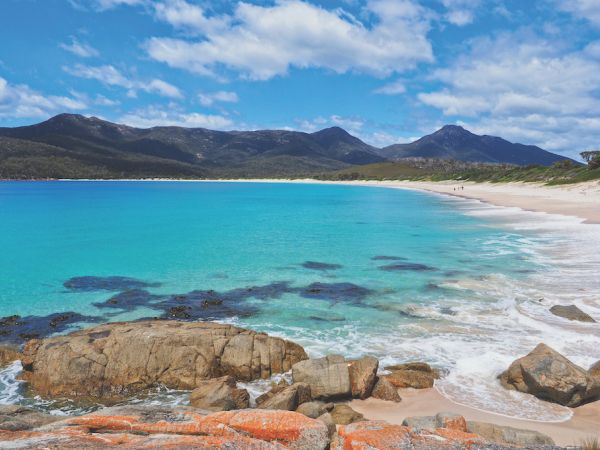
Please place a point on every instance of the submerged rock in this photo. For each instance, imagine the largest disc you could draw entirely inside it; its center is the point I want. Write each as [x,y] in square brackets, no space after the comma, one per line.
[314,265]
[407,266]
[119,359]
[548,375]
[571,312]
[113,283]
[336,292]
[327,376]
[387,258]
[17,329]
[219,394]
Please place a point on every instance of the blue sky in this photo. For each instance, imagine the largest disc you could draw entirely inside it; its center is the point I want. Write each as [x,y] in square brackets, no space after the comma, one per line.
[386,70]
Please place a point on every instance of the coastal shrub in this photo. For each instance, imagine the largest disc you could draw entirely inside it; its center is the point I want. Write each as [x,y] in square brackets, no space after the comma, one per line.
[594,162]
[590,444]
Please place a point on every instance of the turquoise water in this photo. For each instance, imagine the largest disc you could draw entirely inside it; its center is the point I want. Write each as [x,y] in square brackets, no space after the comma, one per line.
[460,274]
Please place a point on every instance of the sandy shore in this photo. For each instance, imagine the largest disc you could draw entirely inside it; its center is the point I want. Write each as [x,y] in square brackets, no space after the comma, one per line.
[585,422]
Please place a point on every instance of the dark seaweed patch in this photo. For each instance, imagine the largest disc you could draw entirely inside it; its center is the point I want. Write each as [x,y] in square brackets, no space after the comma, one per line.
[129,300]
[388,258]
[315,265]
[336,292]
[327,319]
[114,283]
[407,266]
[16,329]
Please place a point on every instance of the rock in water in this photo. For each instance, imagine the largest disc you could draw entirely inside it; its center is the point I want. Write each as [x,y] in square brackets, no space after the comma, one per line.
[571,312]
[119,359]
[548,375]
[8,354]
[417,375]
[219,394]
[363,373]
[327,376]
[594,370]
[384,390]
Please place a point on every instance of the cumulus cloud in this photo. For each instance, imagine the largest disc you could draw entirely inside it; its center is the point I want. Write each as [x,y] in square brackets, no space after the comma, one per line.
[210,98]
[583,9]
[524,88]
[111,76]
[394,88]
[79,48]
[460,12]
[154,116]
[261,42]
[20,101]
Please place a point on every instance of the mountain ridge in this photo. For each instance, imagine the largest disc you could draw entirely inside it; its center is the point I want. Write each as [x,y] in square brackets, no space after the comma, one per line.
[117,150]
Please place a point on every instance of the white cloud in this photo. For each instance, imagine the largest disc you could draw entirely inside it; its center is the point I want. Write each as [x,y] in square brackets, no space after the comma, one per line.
[583,9]
[111,76]
[523,88]
[102,5]
[261,42]
[394,88]
[460,12]
[80,48]
[20,101]
[208,99]
[154,116]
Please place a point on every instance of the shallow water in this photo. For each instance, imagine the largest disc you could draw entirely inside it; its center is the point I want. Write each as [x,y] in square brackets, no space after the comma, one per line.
[468,289]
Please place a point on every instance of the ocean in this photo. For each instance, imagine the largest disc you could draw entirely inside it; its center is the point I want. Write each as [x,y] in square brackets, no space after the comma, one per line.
[398,274]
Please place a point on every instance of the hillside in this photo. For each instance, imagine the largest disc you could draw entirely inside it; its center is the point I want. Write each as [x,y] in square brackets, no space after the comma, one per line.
[98,146]
[74,146]
[456,143]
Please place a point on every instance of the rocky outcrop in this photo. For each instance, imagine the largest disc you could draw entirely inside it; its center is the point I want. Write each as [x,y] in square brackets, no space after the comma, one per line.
[508,435]
[571,312]
[363,373]
[19,418]
[343,415]
[412,375]
[382,435]
[288,398]
[8,354]
[441,420]
[594,370]
[137,428]
[314,409]
[384,390]
[328,377]
[118,359]
[548,375]
[219,394]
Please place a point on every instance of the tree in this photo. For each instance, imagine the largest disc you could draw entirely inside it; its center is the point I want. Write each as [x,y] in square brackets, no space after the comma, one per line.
[592,157]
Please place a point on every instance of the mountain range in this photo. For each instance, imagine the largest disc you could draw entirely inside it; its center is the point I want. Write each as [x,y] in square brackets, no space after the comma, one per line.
[75,146]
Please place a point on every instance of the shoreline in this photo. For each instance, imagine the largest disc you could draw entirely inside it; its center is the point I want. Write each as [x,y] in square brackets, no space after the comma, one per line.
[584,423]
[580,200]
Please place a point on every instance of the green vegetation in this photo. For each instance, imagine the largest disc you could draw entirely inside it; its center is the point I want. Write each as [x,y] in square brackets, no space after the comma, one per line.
[562,172]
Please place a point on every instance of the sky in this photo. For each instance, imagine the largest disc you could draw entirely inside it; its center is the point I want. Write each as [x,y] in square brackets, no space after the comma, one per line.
[387,71]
